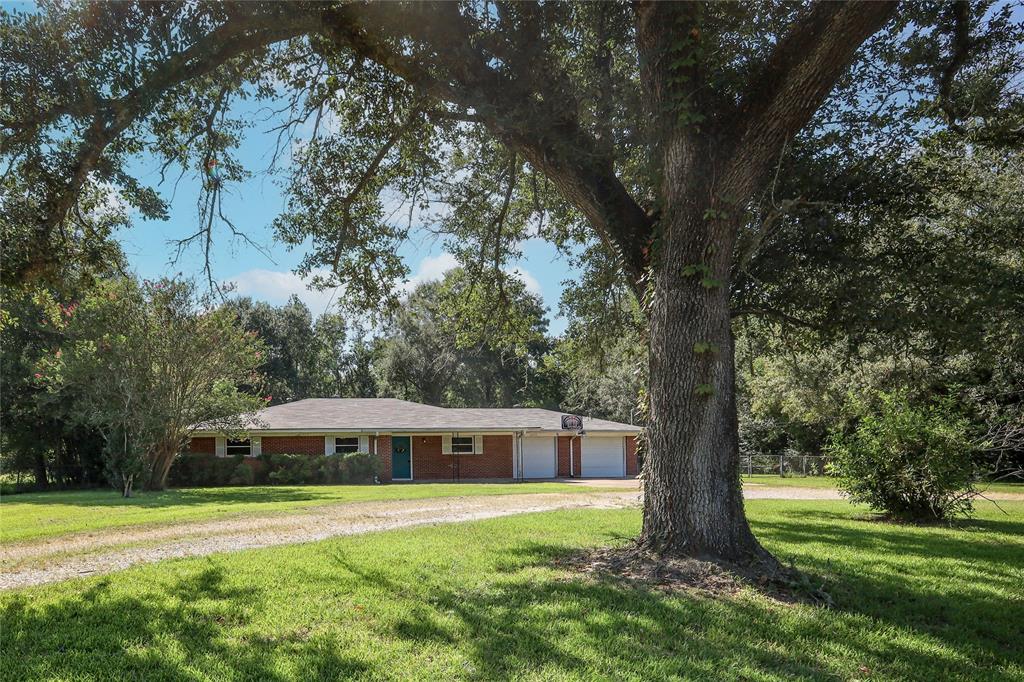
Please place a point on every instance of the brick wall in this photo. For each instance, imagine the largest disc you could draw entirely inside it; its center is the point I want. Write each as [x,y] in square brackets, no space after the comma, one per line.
[631,464]
[428,463]
[384,453]
[563,457]
[292,445]
[204,445]
[495,462]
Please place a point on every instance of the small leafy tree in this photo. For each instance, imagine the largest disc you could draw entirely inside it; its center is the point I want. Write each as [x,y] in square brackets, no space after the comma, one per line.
[148,363]
[909,461]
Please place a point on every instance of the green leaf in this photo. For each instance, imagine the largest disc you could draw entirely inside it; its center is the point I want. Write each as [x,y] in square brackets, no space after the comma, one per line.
[711,282]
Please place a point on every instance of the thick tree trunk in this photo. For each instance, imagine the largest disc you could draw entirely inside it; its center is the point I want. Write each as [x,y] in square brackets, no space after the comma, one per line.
[693,502]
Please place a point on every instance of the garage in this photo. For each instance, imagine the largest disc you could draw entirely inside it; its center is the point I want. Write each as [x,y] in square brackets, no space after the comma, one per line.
[539,457]
[603,457]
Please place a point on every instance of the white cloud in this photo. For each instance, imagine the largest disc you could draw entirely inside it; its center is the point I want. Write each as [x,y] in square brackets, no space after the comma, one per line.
[434,268]
[431,268]
[277,287]
[532,285]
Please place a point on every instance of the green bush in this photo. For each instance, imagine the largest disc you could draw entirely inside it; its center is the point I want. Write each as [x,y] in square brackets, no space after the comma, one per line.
[199,470]
[359,467]
[243,475]
[288,469]
[910,462]
[193,470]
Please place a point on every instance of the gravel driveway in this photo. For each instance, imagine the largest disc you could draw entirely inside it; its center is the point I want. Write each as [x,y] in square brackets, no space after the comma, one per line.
[96,552]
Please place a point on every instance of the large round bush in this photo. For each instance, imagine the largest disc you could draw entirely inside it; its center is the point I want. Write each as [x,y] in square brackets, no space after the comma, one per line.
[912,462]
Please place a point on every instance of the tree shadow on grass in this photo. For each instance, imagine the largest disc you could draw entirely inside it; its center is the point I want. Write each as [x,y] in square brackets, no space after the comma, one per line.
[184,497]
[527,622]
[955,587]
[106,635]
[523,619]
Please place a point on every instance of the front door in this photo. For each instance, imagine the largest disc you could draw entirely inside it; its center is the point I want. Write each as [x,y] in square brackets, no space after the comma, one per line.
[401,458]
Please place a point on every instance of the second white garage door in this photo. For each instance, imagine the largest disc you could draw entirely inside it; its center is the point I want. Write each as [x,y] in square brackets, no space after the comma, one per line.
[603,457]
[539,457]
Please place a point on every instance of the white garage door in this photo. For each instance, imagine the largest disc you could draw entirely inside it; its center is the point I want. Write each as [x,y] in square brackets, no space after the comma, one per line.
[539,457]
[603,457]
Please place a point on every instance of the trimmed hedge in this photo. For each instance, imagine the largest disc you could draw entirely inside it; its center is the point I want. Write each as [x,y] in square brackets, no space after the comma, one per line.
[353,467]
[197,470]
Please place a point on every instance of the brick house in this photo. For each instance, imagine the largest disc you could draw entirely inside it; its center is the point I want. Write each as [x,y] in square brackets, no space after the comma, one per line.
[420,442]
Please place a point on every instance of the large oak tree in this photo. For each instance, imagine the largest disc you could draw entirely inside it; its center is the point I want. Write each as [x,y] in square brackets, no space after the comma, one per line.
[657,131]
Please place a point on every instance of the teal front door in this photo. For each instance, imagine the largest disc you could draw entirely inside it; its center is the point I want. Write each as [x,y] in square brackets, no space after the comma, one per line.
[401,457]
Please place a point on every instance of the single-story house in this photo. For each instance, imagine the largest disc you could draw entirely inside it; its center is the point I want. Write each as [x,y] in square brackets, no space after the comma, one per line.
[418,442]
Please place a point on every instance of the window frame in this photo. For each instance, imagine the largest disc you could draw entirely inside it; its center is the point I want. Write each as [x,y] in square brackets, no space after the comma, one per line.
[456,446]
[337,445]
[237,443]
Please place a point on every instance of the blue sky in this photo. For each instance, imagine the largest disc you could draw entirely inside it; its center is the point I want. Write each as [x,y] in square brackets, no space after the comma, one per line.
[252,207]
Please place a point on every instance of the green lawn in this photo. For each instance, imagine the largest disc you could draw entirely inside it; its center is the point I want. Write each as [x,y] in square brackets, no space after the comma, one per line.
[39,515]
[828,482]
[484,601]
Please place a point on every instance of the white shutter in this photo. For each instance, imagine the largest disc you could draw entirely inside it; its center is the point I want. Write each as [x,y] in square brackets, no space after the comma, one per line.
[446,444]
[478,445]
[364,443]
[222,446]
[257,446]
[328,445]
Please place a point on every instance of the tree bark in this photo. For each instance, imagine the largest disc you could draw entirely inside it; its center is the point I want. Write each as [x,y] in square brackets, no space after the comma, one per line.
[39,466]
[160,467]
[693,502]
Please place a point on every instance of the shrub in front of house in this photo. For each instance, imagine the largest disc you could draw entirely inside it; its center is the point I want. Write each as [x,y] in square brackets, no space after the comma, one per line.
[288,469]
[243,475]
[203,470]
[352,467]
[911,462]
[359,467]
[191,470]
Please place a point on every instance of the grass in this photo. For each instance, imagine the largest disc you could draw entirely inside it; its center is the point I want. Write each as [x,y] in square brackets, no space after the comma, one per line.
[777,481]
[484,601]
[41,515]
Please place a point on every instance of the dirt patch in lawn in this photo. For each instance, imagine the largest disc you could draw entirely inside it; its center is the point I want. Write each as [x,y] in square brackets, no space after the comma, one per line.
[639,568]
[642,569]
[98,552]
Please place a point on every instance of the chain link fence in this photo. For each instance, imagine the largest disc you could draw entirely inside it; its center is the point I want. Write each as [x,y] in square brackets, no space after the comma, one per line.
[783,465]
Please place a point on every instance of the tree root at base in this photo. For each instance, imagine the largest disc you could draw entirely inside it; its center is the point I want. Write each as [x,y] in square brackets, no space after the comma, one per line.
[640,567]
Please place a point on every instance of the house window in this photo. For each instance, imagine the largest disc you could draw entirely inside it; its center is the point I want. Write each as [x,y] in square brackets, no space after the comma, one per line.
[462,445]
[239,447]
[343,445]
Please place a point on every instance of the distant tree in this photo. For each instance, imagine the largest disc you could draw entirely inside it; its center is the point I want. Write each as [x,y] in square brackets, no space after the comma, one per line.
[345,364]
[148,363]
[293,363]
[446,345]
[417,357]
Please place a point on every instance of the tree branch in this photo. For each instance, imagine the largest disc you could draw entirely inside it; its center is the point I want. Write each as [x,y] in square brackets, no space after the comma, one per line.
[113,117]
[537,124]
[795,79]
